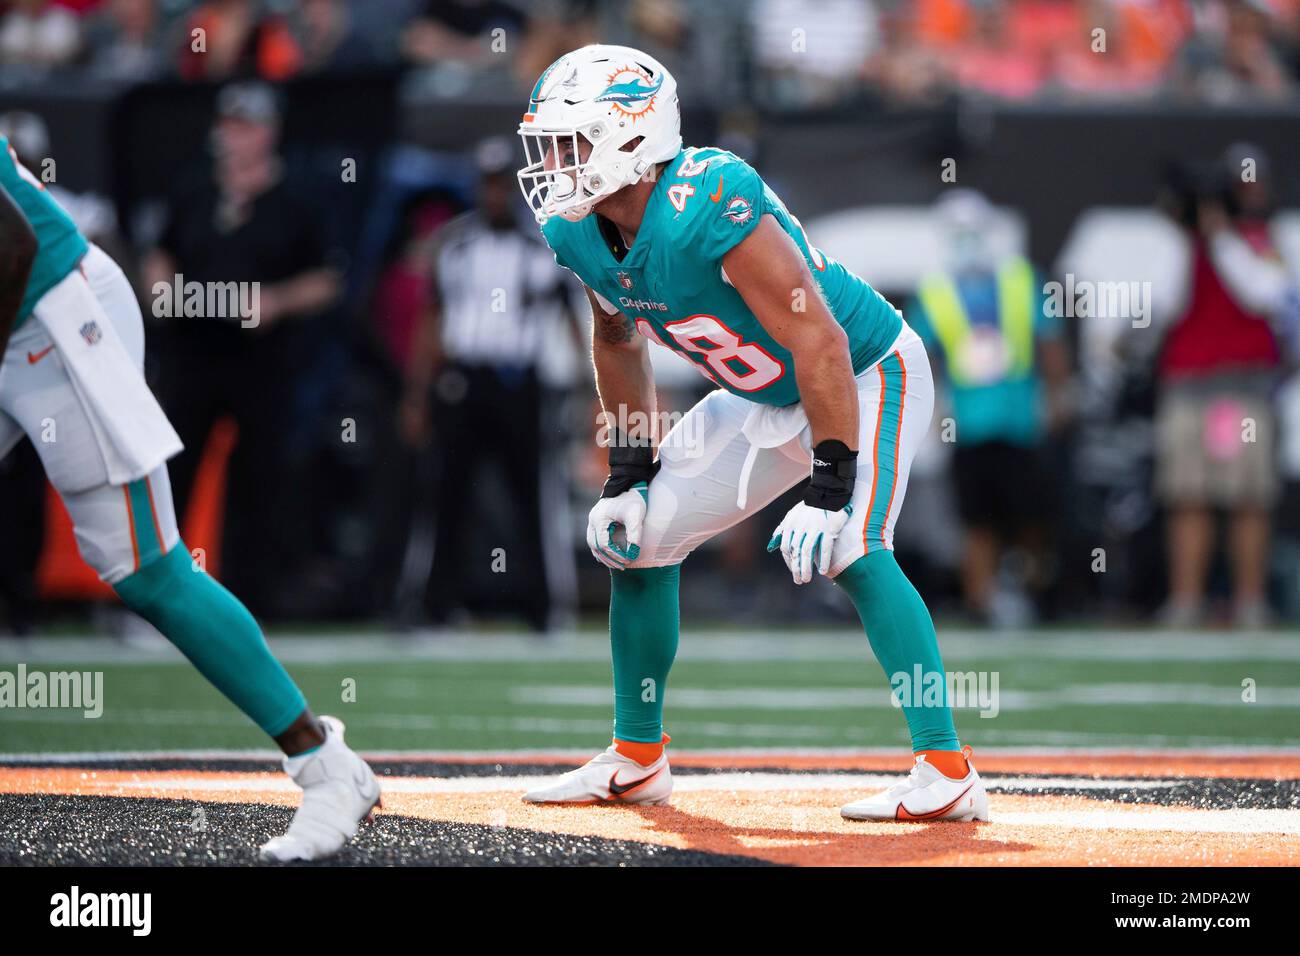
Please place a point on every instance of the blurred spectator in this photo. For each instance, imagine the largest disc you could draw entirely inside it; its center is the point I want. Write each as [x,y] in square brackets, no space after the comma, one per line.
[1287,547]
[1129,57]
[1217,369]
[812,52]
[992,60]
[402,292]
[126,40]
[685,34]
[1234,54]
[984,320]
[497,294]
[243,224]
[461,30]
[37,33]
[328,38]
[226,39]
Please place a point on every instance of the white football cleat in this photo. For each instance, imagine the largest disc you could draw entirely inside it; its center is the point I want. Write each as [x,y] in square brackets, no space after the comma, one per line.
[609,777]
[339,790]
[926,794]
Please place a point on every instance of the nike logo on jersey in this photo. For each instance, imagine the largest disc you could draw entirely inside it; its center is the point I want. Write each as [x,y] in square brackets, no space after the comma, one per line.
[617,789]
[717,195]
[34,357]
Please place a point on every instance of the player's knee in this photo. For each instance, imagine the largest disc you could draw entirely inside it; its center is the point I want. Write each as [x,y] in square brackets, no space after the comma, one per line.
[159,585]
[113,560]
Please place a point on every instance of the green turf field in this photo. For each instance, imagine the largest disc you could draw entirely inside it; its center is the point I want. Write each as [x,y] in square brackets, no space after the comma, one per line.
[804,689]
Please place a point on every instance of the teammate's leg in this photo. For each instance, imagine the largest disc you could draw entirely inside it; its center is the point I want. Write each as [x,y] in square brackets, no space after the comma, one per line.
[128,534]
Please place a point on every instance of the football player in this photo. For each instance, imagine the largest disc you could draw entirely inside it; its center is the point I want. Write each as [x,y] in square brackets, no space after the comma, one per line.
[817,377]
[72,380]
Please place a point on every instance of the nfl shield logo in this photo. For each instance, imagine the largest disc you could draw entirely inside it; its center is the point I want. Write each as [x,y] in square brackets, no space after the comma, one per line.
[625,280]
[90,332]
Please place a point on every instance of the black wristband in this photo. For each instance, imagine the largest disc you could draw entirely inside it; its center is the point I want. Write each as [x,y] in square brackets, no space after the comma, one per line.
[631,460]
[834,470]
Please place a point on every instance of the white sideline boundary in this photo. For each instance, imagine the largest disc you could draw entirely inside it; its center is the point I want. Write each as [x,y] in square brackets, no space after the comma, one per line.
[523,755]
[835,644]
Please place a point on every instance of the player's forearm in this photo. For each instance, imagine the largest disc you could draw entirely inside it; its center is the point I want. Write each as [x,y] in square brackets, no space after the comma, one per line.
[17,253]
[625,384]
[828,393]
[624,380]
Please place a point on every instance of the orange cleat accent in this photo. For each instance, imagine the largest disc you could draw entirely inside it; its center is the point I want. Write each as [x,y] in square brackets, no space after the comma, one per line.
[950,763]
[643,753]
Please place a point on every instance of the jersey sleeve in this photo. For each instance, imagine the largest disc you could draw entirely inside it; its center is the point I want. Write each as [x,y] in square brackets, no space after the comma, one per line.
[728,206]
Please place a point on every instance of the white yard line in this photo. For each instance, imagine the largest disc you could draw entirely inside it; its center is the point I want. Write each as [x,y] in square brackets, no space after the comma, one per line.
[841,698]
[840,644]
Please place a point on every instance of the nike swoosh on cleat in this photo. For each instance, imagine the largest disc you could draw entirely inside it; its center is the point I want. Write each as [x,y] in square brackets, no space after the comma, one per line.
[34,357]
[904,814]
[617,789]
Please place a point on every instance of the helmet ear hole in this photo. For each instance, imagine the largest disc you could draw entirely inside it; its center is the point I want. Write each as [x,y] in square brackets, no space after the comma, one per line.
[631,144]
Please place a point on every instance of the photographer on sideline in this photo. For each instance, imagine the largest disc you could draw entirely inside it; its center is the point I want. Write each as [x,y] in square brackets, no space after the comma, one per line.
[1215,431]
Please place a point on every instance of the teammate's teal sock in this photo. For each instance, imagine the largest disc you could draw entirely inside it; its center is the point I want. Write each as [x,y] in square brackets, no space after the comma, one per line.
[643,622]
[902,635]
[215,631]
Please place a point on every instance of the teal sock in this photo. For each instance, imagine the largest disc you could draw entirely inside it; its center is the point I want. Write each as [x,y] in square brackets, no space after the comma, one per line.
[901,633]
[215,631]
[643,623]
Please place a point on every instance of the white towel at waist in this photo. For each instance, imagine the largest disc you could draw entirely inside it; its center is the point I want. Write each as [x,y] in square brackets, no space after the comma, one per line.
[130,428]
[772,426]
[768,426]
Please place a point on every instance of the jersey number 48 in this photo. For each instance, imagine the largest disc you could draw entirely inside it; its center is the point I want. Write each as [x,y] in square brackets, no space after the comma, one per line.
[729,360]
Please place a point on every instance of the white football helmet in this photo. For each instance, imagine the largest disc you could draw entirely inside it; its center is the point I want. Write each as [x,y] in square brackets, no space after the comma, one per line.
[608,95]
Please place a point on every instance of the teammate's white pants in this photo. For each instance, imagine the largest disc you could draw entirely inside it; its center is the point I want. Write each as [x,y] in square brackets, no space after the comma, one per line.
[727,459]
[117,527]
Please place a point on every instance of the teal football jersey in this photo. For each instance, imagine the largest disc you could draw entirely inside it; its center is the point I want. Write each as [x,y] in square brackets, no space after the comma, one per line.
[671,281]
[59,246]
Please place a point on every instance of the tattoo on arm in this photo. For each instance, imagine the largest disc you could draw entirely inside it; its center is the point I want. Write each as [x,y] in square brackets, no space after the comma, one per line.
[616,329]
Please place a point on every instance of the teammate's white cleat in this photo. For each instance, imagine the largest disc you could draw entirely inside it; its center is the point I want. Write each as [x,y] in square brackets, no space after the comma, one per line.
[926,794]
[339,790]
[610,777]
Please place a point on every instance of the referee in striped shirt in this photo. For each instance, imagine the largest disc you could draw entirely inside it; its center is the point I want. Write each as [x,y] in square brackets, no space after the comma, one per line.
[497,299]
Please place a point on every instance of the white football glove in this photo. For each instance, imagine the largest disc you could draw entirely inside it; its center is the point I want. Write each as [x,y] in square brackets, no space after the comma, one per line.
[806,537]
[628,510]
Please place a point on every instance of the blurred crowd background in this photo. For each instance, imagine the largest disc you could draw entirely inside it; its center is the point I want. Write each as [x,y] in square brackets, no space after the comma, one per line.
[1087,208]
